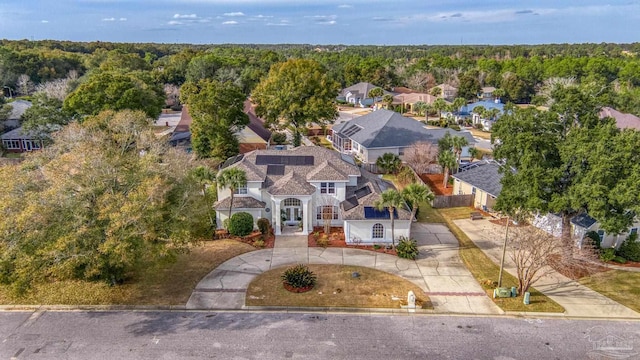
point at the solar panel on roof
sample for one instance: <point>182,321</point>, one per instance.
<point>350,203</point>
<point>348,158</point>
<point>232,160</point>
<point>351,130</point>
<point>373,213</point>
<point>296,160</point>
<point>363,191</point>
<point>275,169</point>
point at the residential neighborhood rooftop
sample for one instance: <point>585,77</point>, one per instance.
<point>483,175</point>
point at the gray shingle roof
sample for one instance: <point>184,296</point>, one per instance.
<point>291,184</point>
<point>326,171</point>
<point>239,202</point>
<point>583,220</point>
<point>18,134</point>
<point>376,185</point>
<point>484,176</point>
<point>385,128</point>
<point>18,108</point>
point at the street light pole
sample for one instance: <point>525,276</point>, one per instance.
<point>504,251</point>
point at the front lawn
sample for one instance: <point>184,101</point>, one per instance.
<point>163,284</point>
<point>619,285</point>
<point>336,287</point>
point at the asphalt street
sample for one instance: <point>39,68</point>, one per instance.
<point>254,335</point>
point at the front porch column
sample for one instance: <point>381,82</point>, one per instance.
<point>276,213</point>
<point>305,216</point>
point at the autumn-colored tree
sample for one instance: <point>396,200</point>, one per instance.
<point>106,198</point>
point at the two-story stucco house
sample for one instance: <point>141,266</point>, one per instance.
<point>301,188</point>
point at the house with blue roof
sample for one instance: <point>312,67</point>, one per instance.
<point>493,111</point>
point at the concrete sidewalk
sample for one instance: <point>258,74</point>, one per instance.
<point>578,300</point>
<point>438,271</point>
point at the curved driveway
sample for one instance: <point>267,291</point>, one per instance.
<point>438,271</point>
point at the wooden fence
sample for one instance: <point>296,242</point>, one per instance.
<point>449,201</point>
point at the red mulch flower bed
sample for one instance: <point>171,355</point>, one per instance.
<point>336,239</point>
<point>269,239</point>
<point>434,181</point>
<point>296,289</point>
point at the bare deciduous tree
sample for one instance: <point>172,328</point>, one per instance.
<point>421,155</point>
<point>56,89</point>
<point>173,94</point>
<point>24,84</point>
<point>530,250</point>
<point>327,207</point>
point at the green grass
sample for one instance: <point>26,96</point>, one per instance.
<point>486,271</point>
<point>321,141</point>
<point>12,155</point>
<point>163,284</point>
<point>619,285</point>
<point>428,214</point>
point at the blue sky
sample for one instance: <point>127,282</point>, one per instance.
<point>387,22</point>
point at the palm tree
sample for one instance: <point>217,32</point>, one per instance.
<point>204,176</point>
<point>233,178</point>
<point>474,152</point>
<point>375,93</point>
<point>499,93</point>
<point>391,200</point>
<point>447,160</point>
<point>389,162</point>
<point>435,91</point>
<point>458,142</point>
<point>415,194</point>
<point>387,100</point>
<point>439,105</point>
<point>427,109</point>
<point>458,103</point>
<point>419,107</point>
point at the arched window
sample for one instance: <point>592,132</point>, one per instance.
<point>377,231</point>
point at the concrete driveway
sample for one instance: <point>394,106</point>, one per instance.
<point>438,271</point>
<point>578,300</point>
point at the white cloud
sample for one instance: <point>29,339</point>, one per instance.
<point>237,13</point>
<point>185,16</point>
<point>324,19</point>
<point>45,21</point>
<point>173,22</point>
<point>345,6</point>
<point>281,23</point>
<point>230,22</point>
<point>123,19</point>
<point>109,19</point>
<point>263,16</point>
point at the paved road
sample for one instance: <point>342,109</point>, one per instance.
<point>211,335</point>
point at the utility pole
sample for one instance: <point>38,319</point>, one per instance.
<point>504,251</point>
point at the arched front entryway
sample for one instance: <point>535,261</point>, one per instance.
<point>291,211</point>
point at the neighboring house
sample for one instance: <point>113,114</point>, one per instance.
<point>358,94</point>
<point>18,141</point>
<point>298,189</point>
<point>486,94</point>
<point>581,224</point>
<point>480,179</point>
<point>254,136</point>
<point>447,91</point>
<point>18,108</point>
<point>623,121</point>
<point>487,122</point>
<point>408,100</point>
<point>383,131</point>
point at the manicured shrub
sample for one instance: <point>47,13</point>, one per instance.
<point>264,225</point>
<point>299,276</point>
<point>407,248</point>
<point>630,248</point>
<point>241,224</point>
<point>620,260</point>
<point>607,254</point>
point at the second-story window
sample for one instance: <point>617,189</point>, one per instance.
<point>327,188</point>
<point>241,191</point>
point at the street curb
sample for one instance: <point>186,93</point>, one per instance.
<point>297,310</point>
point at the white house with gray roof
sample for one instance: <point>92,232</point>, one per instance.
<point>383,131</point>
<point>301,188</point>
